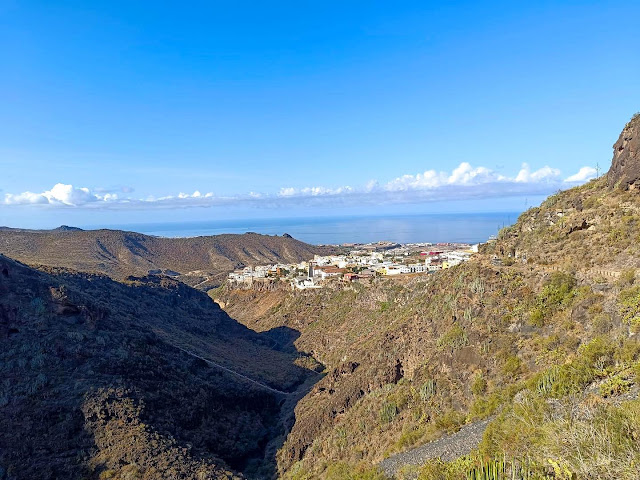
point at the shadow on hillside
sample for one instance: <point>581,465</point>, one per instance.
<point>98,380</point>
<point>256,412</point>
<point>211,410</point>
<point>263,463</point>
<point>282,338</point>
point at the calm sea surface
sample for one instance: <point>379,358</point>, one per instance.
<point>465,227</point>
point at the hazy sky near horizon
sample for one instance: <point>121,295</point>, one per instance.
<point>121,112</point>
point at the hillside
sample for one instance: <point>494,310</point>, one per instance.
<point>142,379</point>
<point>120,254</point>
<point>530,350</point>
<point>538,334</point>
<point>594,227</point>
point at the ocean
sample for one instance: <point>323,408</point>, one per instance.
<point>440,227</point>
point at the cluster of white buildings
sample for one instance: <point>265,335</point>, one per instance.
<point>354,266</point>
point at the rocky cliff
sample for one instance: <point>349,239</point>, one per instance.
<point>625,167</point>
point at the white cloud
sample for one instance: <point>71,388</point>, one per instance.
<point>545,174</point>
<point>584,174</point>
<point>371,185</point>
<point>313,191</point>
<point>69,195</point>
<point>25,198</point>
<point>60,194</point>
<point>428,179</point>
<point>463,182</point>
<point>287,192</point>
<point>463,175</point>
<point>109,197</point>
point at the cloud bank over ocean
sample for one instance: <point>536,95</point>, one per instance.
<point>463,182</point>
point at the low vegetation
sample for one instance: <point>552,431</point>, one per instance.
<point>543,342</point>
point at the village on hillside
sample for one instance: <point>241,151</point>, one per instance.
<point>359,262</point>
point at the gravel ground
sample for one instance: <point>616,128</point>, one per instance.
<point>446,448</point>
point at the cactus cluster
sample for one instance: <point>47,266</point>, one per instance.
<point>546,381</point>
<point>428,390</point>
<point>501,469</point>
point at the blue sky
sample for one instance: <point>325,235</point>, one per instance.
<point>123,112</point>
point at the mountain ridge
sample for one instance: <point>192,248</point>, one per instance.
<point>120,254</point>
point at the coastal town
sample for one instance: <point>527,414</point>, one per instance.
<point>359,262</point>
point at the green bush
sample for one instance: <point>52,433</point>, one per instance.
<point>602,323</point>
<point>450,421</point>
<point>345,471</point>
<point>512,366</point>
<point>536,317</point>
<point>614,386</point>
<point>558,291</point>
<point>454,338</point>
<point>590,364</point>
<point>627,277</point>
<point>545,381</point>
<point>409,438</point>
<point>479,385</point>
<point>629,300</point>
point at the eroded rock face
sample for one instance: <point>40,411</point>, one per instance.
<point>625,167</point>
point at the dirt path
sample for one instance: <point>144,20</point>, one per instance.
<point>232,372</point>
<point>446,448</point>
<point>202,283</point>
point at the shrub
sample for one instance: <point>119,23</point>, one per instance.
<point>627,277</point>
<point>592,359</point>
<point>37,307</point>
<point>559,290</point>
<point>479,385</point>
<point>344,471</point>
<point>512,365</point>
<point>614,386</point>
<point>629,300</point>
<point>477,286</point>
<point>409,437</point>
<point>454,338</point>
<point>388,412</point>
<point>602,323</point>
<point>628,352</point>
<point>450,421</point>
<point>546,380</point>
<point>536,317</point>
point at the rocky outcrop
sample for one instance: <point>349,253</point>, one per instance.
<point>625,167</point>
